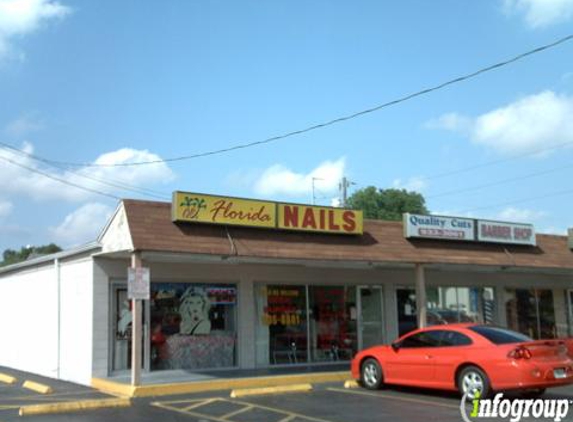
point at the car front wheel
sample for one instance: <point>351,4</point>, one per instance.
<point>473,383</point>
<point>371,374</point>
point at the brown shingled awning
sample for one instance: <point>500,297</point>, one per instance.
<point>383,242</point>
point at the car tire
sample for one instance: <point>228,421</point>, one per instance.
<point>533,393</point>
<point>472,379</point>
<point>371,374</point>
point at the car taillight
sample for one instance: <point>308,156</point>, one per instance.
<point>520,353</point>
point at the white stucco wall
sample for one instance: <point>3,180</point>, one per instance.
<point>47,330</point>
<point>76,320</point>
<point>29,315</point>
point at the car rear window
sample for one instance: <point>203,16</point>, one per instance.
<point>499,335</point>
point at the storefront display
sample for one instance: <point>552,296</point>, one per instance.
<point>192,326</point>
<point>333,323</point>
<point>281,325</point>
<point>531,312</point>
<point>446,305</point>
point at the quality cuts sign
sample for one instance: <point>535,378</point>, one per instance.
<point>499,232</point>
<point>438,227</point>
<point>201,208</point>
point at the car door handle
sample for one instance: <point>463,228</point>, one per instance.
<point>429,356</point>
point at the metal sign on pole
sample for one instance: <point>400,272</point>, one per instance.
<point>138,289</point>
<point>138,281</point>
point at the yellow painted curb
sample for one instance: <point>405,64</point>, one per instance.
<point>114,388</point>
<point>37,387</point>
<point>351,384</point>
<point>8,379</point>
<point>216,384</point>
<point>296,388</point>
<point>73,406</point>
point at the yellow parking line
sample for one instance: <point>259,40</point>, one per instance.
<point>201,403</point>
<point>175,409</point>
<point>237,412</point>
<point>286,412</point>
<point>393,397</point>
<point>288,415</point>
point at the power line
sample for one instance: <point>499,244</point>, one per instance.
<point>495,162</point>
<point>500,182</point>
<point>333,121</point>
<point>108,182</point>
<point>57,179</point>
<point>519,201</point>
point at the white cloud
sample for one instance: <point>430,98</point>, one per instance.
<point>416,184</point>
<point>520,215</point>
<point>554,230</point>
<point>22,17</point>
<point>450,121</point>
<point>541,13</point>
<point>21,181</point>
<point>5,208</point>
<point>534,122</point>
<point>83,225</point>
<point>280,180</point>
<point>23,125</point>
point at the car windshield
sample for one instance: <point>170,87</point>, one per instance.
<point>500,335</point>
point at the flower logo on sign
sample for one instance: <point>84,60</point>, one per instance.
<point>193,206</point>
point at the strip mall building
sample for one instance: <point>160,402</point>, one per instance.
<point>301,285</point>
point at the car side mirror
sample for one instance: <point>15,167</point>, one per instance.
<point>395,346</point>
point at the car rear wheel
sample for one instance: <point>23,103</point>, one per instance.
<point>473,383</point>
<point>371,374</point>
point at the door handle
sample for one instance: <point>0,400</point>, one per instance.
<point>429,356</point>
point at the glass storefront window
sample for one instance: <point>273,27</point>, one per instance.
<point>531,312</point>
<point>333,316</point>
<point>281,329</point>
<point>407,314</point>
<point>193,326</point>
<point>570,306</point>
<point>446,305</point>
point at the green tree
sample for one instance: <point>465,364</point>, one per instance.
<point>387,204</point>
<point>11,256</point>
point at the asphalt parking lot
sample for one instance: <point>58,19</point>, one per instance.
<point>326,403</point>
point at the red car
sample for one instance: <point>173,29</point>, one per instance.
<point>469,358</point>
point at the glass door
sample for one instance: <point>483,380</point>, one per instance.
<point>370,332</point>
<point>121,330</point>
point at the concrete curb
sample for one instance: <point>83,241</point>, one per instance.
<point>37,387</point>
<point>127,390</point>
<point>8,379</point>
<point>73,406</point>
<point>296,388</point>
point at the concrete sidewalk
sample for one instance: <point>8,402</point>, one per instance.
<point>162,383</point>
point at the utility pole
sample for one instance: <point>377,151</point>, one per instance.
<point>343,188</point>
<point>313,194</point>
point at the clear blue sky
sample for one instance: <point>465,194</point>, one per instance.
<point>115,81</point>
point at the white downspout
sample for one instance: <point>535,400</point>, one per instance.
<point>59,309</point>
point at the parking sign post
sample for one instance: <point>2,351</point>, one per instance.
<point>138,280</point>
